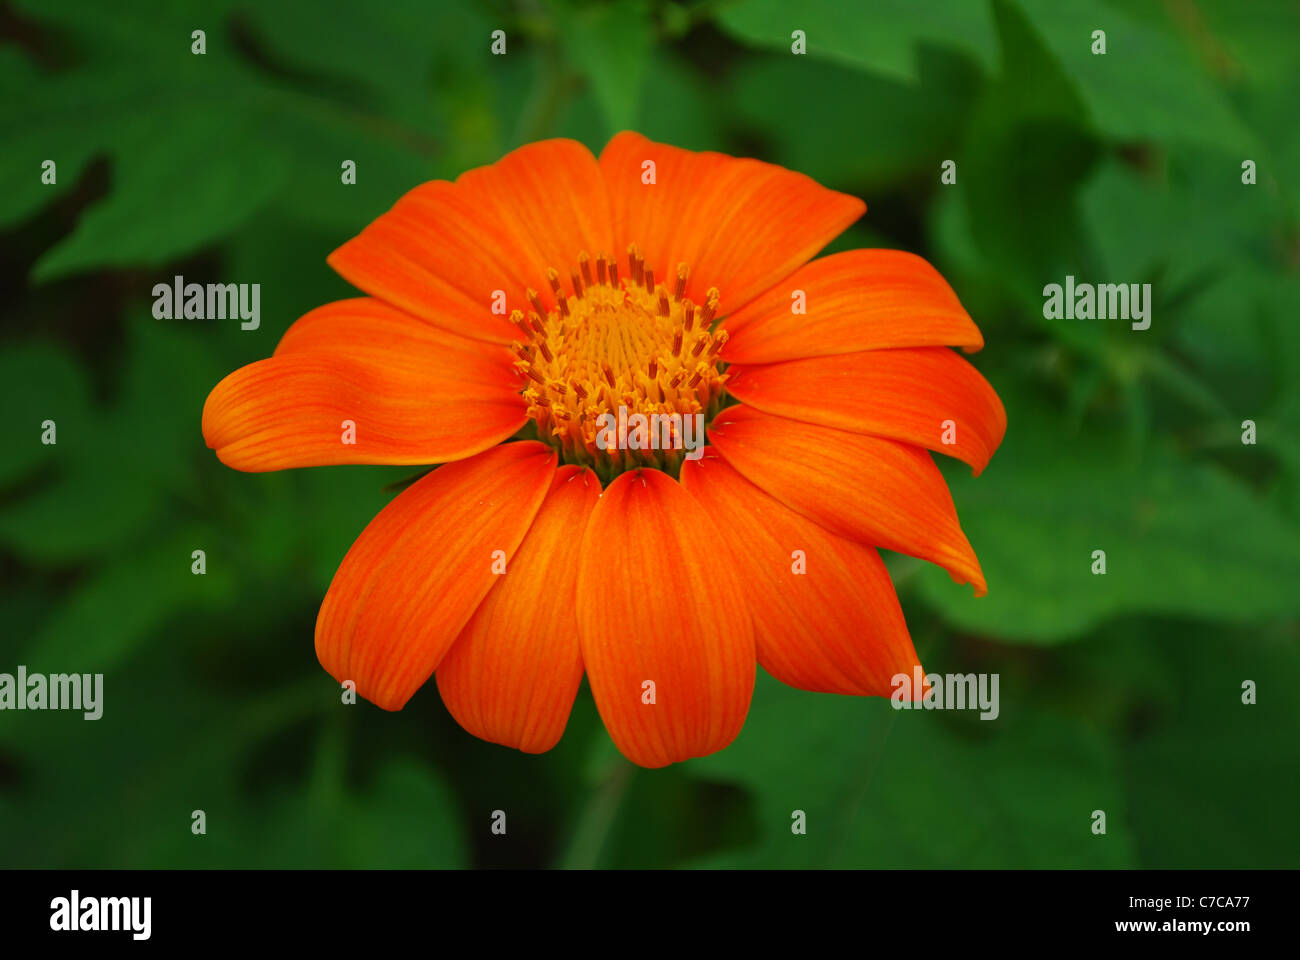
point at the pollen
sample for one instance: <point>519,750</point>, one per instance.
<point>612,340</point>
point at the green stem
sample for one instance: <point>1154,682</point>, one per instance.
<point>598,818</point>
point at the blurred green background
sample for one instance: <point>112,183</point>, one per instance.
<point>1119,692</point>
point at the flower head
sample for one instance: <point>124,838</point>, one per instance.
<point>510,315</point>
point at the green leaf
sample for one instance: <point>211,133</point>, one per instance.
<point>27,148</point>
<point>1184,222</point>
<point>799,106</point>
<point>1211,780</point>
<point>181,178</point>
<point>890,789</point>
<point>96,501</point>
<point>881,37</point>
<point>683,109</point>
<point>1180,538</point>
<point>181,130</point>
<point>111,470</point>
<point>1025,153</point>
<point>39,382</point>
<point>408,91</point>
<point>196,144</point>
<point>387,53</point>
<point>405,818</point>
<point>610,45</point>
<point>1251,42</point>
<point>1145,87</point>
<point>110,615</point>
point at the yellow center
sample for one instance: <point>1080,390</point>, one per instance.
<point>631,343</point>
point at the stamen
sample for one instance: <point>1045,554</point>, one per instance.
<point>634,263</point>
<point>706,315</point>
<point>612,342</point>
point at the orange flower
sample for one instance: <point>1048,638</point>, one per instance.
<point>664,578</point>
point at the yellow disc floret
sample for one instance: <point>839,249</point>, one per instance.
<point>631,343</point>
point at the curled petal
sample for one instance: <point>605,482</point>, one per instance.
<point>361,382</point>
<point>865,488</point>
<point>421,568</point>
<point>826,617</point>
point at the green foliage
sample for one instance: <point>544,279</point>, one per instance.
<point>915,789</point>
<point>881,37</point>
<point>1179,538</point>
<point>1119,692</point>
<point>1145,87</point>
<point>609,44</point>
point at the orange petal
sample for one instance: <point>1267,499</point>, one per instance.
<point>659,603</point>
<point>444,249</point>
<point>826,617</point>
<point>413,393</point>
<point>857,300</point>
<point>739,225</point>
<point>511,676</point>
<point>420,569</point>
<point>928,396</point>
<point>862,487</point>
